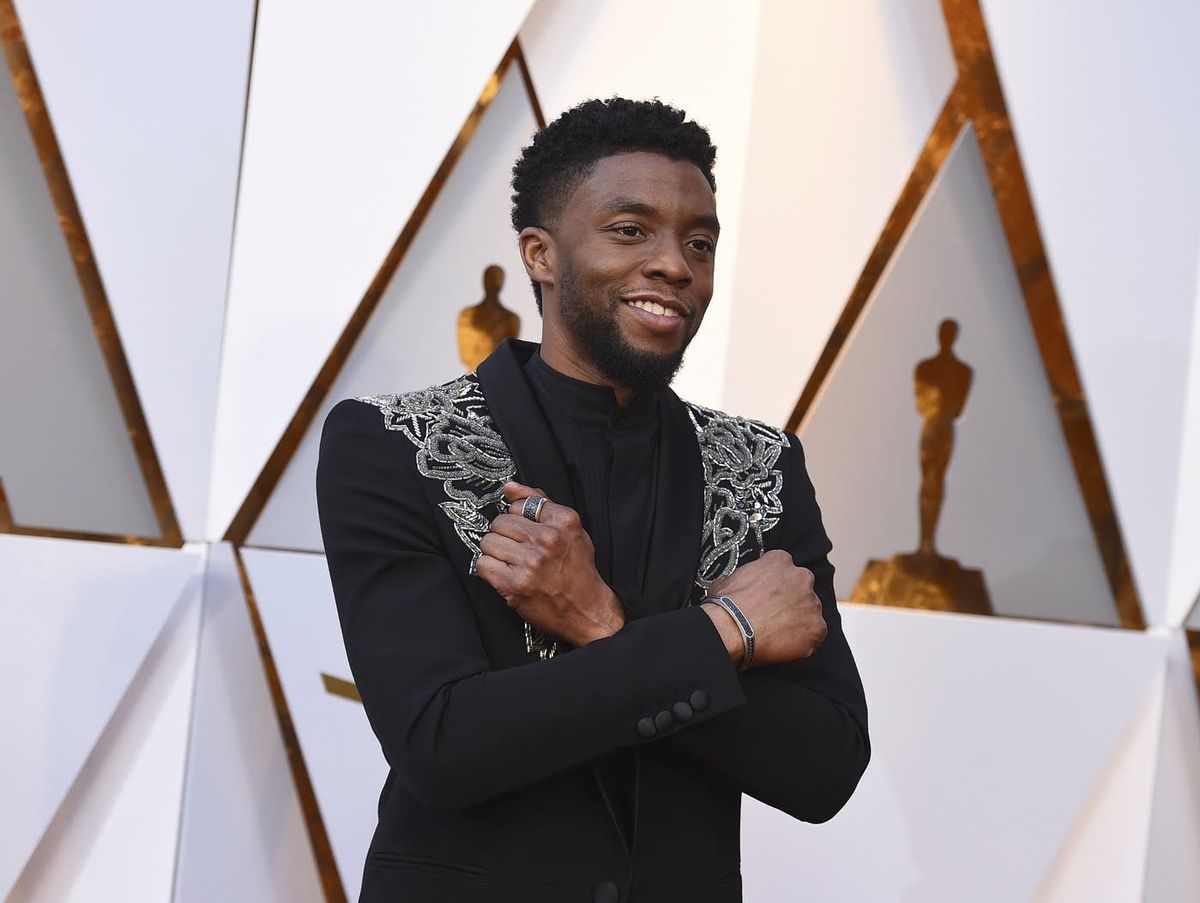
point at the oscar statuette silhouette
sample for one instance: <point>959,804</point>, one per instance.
<point>924,578</point>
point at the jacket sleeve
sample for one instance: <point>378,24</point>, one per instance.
<point>457,732</point>
<point>801,742</point>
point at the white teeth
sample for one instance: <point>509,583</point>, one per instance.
<point>654,308</point>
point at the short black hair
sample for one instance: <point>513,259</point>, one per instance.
<point>563,153</point>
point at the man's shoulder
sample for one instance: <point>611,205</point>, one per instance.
<point>715,423</point>
<point>441,398</point>
<point>412,411</point>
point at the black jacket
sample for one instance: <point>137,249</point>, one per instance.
<point>493,793</point>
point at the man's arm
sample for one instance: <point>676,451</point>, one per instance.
<point>801,742</point>
<point>457,732</point>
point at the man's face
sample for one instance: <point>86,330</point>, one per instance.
<point>635,245</point>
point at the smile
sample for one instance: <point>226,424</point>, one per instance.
<point>653,308</point>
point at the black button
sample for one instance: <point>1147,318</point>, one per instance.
<point>682,711</point>
<point>663,720</point>
<point>606,892</point>
<point>699,700</point>
<point>646,728</point>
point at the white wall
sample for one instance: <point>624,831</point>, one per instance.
<point>1103,98</point>
<point>77,621</point>
<point>147,101</point>
<point>467,230</point>
<point>56,386</point>
<point>1058,761</point>
<point>708,70</point>
<point>338,149</point>
<point>1012,502</point>
<point>844,96</point>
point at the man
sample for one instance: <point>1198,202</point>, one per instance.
<point>522,561</point>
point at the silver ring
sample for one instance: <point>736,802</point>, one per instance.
<point>532,507</point>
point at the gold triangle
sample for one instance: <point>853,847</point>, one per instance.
<point>37,117</point>
<point>260,493</point>
<point>978,99</point>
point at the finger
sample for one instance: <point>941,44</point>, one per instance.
<point>562,517</point>
<point>503,548</point>
<point>514,491</point>
<point>517,527</point>
<point>497,573</point>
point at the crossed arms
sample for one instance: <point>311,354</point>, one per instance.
<point>459,732</point>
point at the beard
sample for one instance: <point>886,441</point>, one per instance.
<point>599,335</point>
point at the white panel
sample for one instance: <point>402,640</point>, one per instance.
<point>147,101</point>
<point>1104,857</point>
<point>1183,592</point>
<point>76,621</point>
<point>114,837</point>
<point>845,95</point>
<point>1173,868</point>
<point>242,835</point>
<point>1103,99</point>
<point>1012,503</point>
<point>987,736</point>
<point>352,108</point>
<point>65,456</point>
<point>343,758</point>
<point>705,68</point>
<point>466,230</point>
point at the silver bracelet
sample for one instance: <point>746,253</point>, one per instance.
<point>743,624</point>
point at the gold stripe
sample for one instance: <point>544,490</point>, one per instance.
<point>331,882</point>
<point>338,686</point>
<point>38,119</point>
<point>985,106</point>
<point>977,97</point>
<point>527,80</point>
<point>6,520</point>
<point>260,493</point>
<point>929,163</point>
<point>1193,641</point>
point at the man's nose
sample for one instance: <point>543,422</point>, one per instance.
<point>669,264</point>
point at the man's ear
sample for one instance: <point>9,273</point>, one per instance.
<point>537,254</point>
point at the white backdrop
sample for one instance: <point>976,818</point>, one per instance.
<point>243,169</point>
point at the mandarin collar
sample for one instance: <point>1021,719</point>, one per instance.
<point>587,403</point>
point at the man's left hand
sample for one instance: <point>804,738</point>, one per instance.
<point>546,570</point>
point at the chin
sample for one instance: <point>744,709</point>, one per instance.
<point>657,345</point>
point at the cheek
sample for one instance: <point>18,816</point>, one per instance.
<point>598,263</point>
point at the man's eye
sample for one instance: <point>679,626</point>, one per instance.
<point>702,244</point>
<point>629,230</point>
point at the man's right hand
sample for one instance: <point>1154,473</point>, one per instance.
<point>779,601</point>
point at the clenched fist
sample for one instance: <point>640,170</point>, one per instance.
<point>779,601</point>
<point>546,571</point>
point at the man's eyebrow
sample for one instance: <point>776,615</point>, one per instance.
<point>629,205</point>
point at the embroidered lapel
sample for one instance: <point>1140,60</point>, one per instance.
<point>452,431</point>
<point>451,428</point>
<point>741,489</point>
<point>457,444</point>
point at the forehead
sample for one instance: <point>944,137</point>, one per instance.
<point>659,181</point>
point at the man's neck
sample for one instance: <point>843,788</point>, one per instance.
<point>568,361</point>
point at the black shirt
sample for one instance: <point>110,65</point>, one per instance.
<point>611,454</point>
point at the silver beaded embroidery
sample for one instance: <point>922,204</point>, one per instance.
<point>456,443</point>
<point>741,488</point>
<point>451,427</point>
